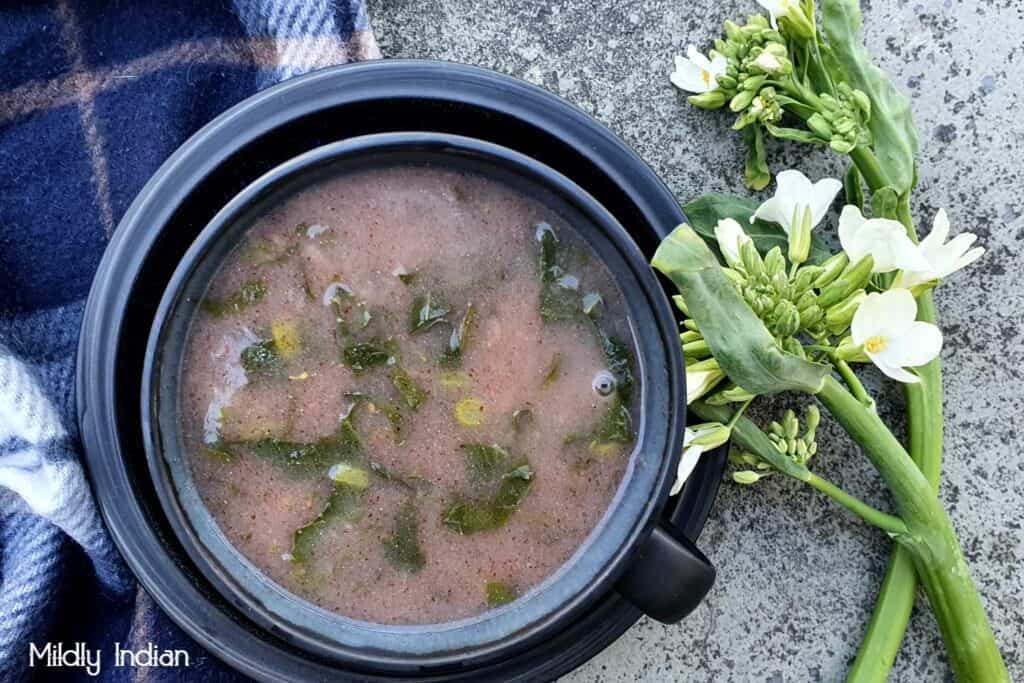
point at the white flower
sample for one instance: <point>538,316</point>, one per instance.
<point>944,258</point>
<point>731,237</point>
<point>795,196</point>
<point>696,441</point>
<point>701,378</point>
<point>886,327</point>
<point>885,239</point>
<point>780,8</point>
<point>696,73</point>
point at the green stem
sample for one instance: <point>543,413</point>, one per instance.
<point>895,602</point>
<point>886,522</point>
<point>930,541</point>
<point>853,382</point>
<point>750,437</point>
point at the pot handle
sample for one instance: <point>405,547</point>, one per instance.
<point>668,577</point>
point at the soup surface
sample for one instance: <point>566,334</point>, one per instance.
<point>408,394</point>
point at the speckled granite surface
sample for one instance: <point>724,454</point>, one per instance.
<point>797,577</point>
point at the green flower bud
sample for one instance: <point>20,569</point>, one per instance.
<point>680,304</point>
<point>863,102</point>
<point>774,261</point>
<point>712,434</point>
<point>842,146</point>
<point>710,100</point>
<point>731,394</point>
<point>759,21</point>
<point>812,418</point>
<point>732,29</point>
<point>831,269</point>
<point>726,82</point>
<point>811,316</point>
<point>784,320</point>
<point>859,273</point>
<point>697,350</point>
<point>690,324</point>
<point>735,276</point>
<point>763,304</point>
<point>753,83</point>
<point>742,100</point>
<point>819,126</point>
<point>752,262</point>
<point>838,318</point>
<point>805,277</point>
<point>689,336</point>
<point>791,345</point>
<point>834,293</point>
<point>746,477</point>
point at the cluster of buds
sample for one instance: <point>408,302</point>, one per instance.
<point>842,120</point>
<point>754,54</point>
<point>788,439</point>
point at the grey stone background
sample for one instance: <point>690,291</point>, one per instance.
<point>797,576</point>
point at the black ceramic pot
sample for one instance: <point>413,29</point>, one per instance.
<point>640,558</point>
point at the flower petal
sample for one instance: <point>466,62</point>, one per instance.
<point>887,314</point>
<point>940,231</point>
<point>690,77</point>
<point>695,56</point>
<point>850,222</point>
<point>823,193</point>
<point>775,210</point>
<point>919,344</point>
<point>895,372</point>
<point>730,236</point>
<point>687,463</point>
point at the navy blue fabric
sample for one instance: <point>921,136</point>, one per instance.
<point>94,96</point>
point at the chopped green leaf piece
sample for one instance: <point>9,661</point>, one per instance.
<point>559,292</point>
<point>484,464</point>
<point>218,451</point>
<point>261,359</point>
<point>521,418</point>
<point>499,593</point>
<point>251,292</point>
<point>410,482</point>
<point>350,314</point>
<point>394,416</point>
<point>403,547</point>
<point>343,503</point>
<point>426,312</point>
<point>361,356</point>
<point>411,392</point>
<point>614,429</point>
<point>454,380</point>
<point>554,370</point>
<point>468,515</point>
<point>263,252</point>
<point>459,339</point>
<point>342,446</point>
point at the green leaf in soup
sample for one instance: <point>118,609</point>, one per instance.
<point>521,417</point>
<point>426,312</point>
<point>311,457</point>
<point>560,297</point>
<point>469,515</point>
<point>410,482</point>
<point>485,464</point>
<point>364,355</point>
<point>350,313</point>
<point>261,359</point>
<point>250,293</point>
<point>554,370</point>
<point>402,548</point>
<point>738,339</point>
<point>614,429</point>
<point>499,593</point>
<point>219,452</point>
<point>890,122</point>
<point>459,339</point>
<point>345,503</point>
<point>619,359</point>
<point>705,212</point>
<point>411,393</point>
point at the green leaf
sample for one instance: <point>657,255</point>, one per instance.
<point>499,593</point>
<point>739,341</point>
<point>469,515</point>
<point>459,339</point>
<point>560,297</point>
<point>705,212</point>
<point>794,135</point>
<point>361,356</point>
<point>403,547</point>
<point>891,125</point>
<point>251,292</point>
<point>411,392</point>
<point>343,503</point>
<point>306,458</point>
<point>426,312</point>
<point>554,370</point>
<point>484,464</point>
<point>619,359</point>
<point>756,175</point>
<point>261,359</point>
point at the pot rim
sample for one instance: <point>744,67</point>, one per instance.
<point>593,567</point>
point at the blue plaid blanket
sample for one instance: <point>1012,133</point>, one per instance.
<point>93,97</point>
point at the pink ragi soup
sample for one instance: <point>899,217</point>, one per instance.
<point>407,394</point>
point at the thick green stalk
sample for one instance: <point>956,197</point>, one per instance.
<point>931,541</point>
<point>891,614</point>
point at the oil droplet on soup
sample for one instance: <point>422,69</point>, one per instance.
<point>408,394</point>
